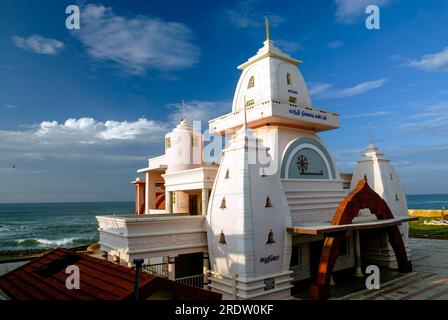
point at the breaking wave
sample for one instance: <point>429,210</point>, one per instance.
<point>49,242</point>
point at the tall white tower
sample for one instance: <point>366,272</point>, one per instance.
<point>271,175</point>
<point>247,219</point>
<point>383,179</point>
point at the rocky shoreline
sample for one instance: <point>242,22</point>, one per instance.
<point>27,254</point>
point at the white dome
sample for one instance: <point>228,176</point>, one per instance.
<point>270,75</point>
<point>183,147</point>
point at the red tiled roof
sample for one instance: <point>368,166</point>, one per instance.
<point>44,279</point>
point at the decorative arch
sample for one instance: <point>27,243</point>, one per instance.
<point>160,201</point>
<point>315,147</point>
<point>362,197</point>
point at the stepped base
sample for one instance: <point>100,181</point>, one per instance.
<point>253,289</point>
<point>376,250</point>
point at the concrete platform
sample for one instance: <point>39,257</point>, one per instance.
<point>429,281</point>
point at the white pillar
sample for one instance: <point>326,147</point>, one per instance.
<point>169,202</point>
<point>204,200</point>
<point>147,193</point>
<point>172,268</point>
<point>358,270</point>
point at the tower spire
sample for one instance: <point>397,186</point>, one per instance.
<point>183,109</point>
<point>370,133</point>
<point>266,21</point>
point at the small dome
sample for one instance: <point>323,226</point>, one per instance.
<point>270,75</point>
<point>183,147</point>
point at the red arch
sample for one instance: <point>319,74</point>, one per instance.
<point>160,201</point>
<point>362,197</point>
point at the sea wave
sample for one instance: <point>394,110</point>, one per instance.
<point>34,243</point>
<point>57,242</point>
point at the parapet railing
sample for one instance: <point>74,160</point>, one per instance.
<point>158,269</point>
<point>196,281</point>
<point>295,105</point>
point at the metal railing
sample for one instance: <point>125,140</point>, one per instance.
<point>158,269</point>
<point>196,281</point>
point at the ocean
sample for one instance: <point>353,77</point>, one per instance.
<point>50,225</point>
<point>428,201</point>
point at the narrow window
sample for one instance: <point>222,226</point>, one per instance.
<point>292,100</point>
<point>227,174</point>
<point>288,78</point>
<point>168,143</point>
<point>251,83</point>
<point>396,197</point>
<point>250,103</point>
<point>391,177</point>
<point>194,142</point>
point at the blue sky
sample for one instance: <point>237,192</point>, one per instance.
<point>81,110</point>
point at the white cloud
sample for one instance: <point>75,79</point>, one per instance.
<point>84,159</point>
<point>84,138</point>
<point>431,121</point>
<point>39,44</point>
<point>369,114</point>
<point>10,106</point>
<point>432,62</point>
<point>326,90</point>
<point>361,88</point>
<point>348,11</point>
<point>76,160</point>
<point>335,44</point>
<point>91,131</point>
<point>317,88</point>
<point>198,110</point>
<point>136,43</point>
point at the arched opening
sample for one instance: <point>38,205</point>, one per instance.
<point>362,197</point>
<point>288,79</point>
<point>307,158</point>
<point>251,82</point>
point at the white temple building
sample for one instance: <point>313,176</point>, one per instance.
<point>261,221</point>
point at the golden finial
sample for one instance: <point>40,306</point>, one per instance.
<point>266,21</point>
